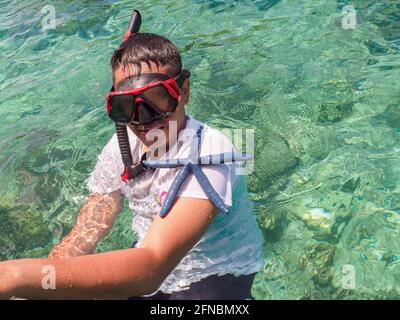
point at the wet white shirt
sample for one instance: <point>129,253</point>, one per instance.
<point>232,243</point>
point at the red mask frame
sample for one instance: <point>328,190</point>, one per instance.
<point>128,107</point>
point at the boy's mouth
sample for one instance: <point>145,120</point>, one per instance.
<point>144,129</point>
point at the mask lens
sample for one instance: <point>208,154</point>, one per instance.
<point>160,99</point>
<point>121,107</point>
<point>145,113</point>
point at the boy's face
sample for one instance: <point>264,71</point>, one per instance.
<point>176,120</point>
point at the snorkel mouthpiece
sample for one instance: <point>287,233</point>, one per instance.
<point>130,171</point>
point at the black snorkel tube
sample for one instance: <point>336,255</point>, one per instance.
<point>134,25</point>
<point>131,171</point>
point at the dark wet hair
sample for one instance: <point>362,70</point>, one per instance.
<point>147,47</point>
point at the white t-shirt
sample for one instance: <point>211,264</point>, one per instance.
<point>232,243</point>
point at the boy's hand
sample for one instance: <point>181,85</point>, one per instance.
<point>94,222</point>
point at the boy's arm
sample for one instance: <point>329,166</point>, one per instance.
<point>94,222</point>
<point>117,274</point>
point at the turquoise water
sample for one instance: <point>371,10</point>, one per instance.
<point>324,102</point>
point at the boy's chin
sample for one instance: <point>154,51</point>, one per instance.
<point>150,137</point>
<point>153,144</point>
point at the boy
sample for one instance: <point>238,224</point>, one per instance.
<point>193,252</point>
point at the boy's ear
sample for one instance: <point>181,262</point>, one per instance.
<point>186,91</point>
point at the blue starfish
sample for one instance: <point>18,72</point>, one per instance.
<point>192,164</point>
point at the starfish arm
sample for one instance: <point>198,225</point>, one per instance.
<point>173,163</point>
<point>227,157</point>
<point>208,189</point>
<point>173,190</point>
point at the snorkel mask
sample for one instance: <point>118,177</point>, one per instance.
<point>141,100</point>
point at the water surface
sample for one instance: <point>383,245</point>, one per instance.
<point>324,102</point>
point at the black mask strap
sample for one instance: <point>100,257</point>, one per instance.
<point>180,79</point>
